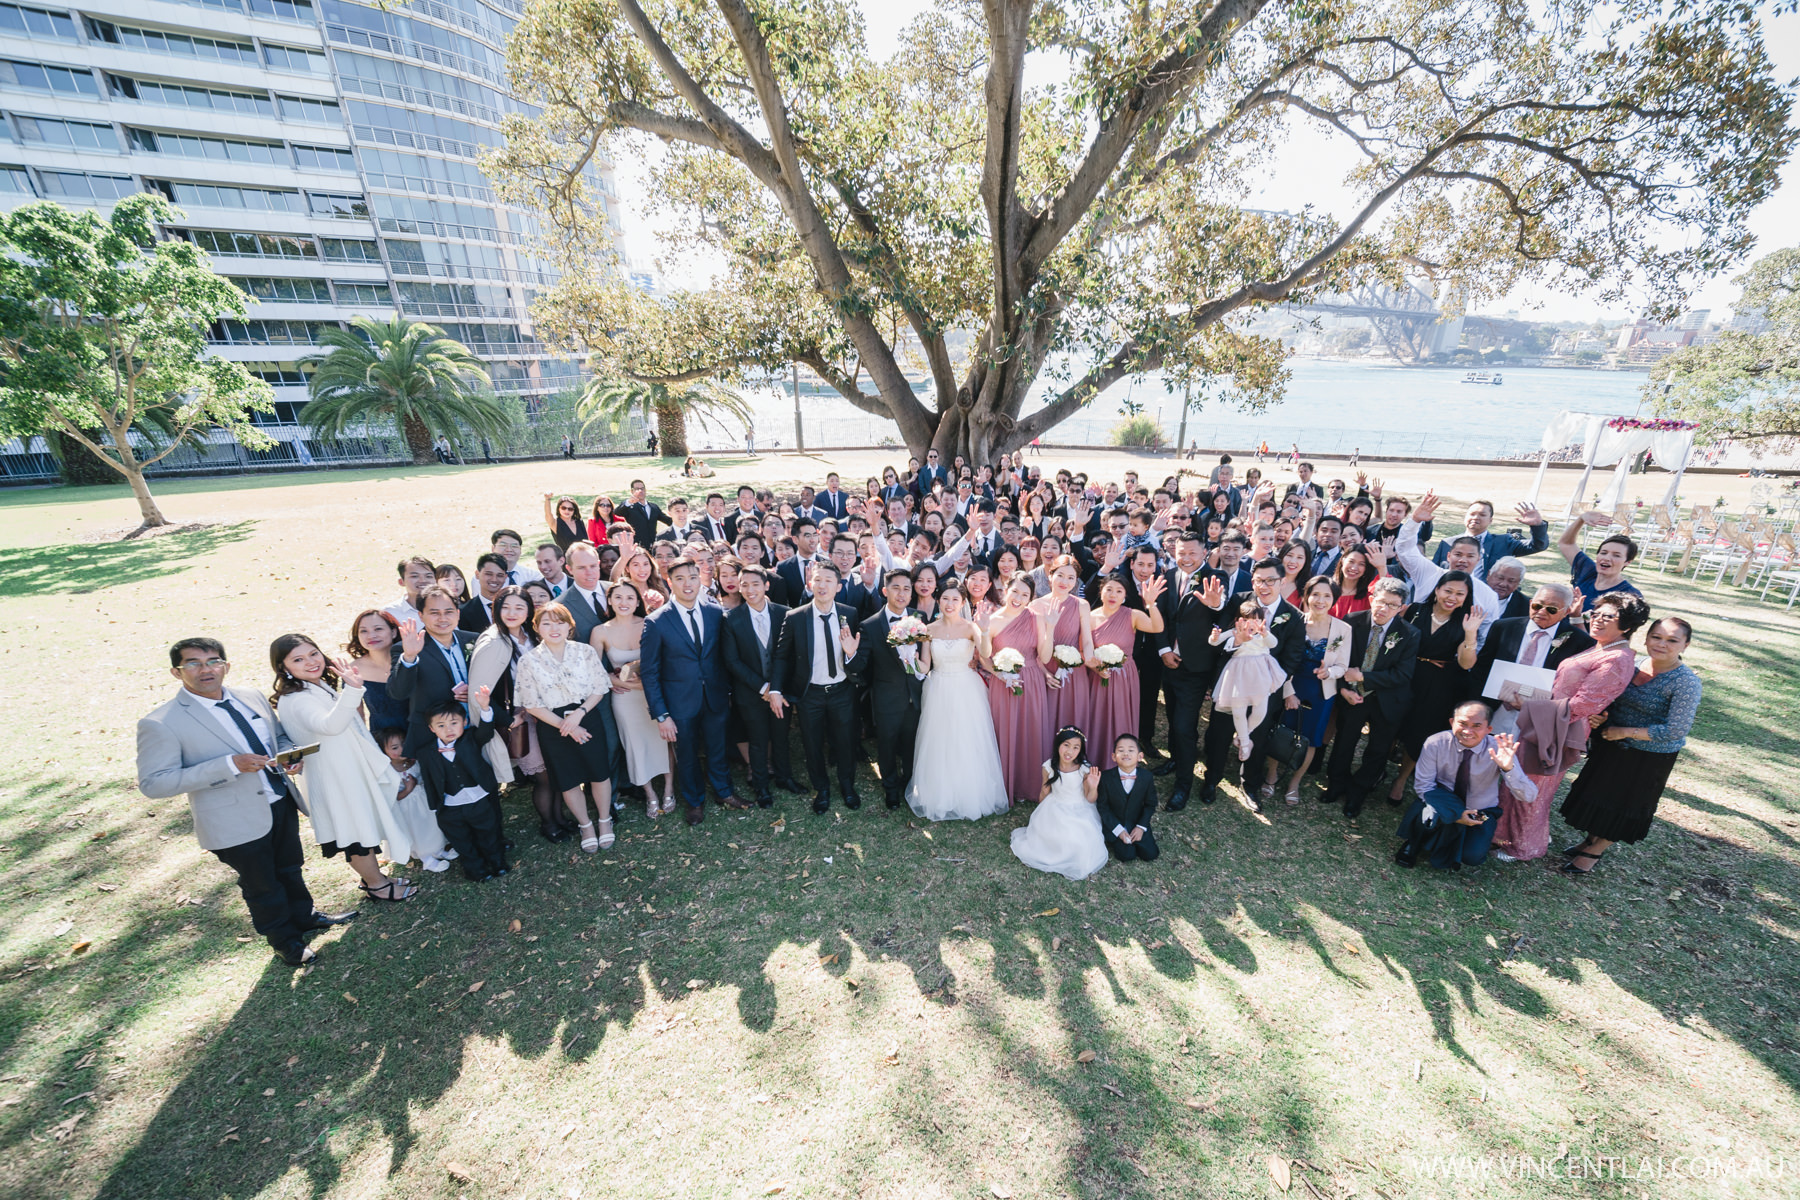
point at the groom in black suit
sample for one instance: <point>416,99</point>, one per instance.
<point>752,633</point>
<point>1288,625</point>
<point>1125,797</point>
<point>894,692</point>
<point>818,653</point>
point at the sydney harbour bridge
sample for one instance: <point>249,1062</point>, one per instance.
<point>1406,319</point>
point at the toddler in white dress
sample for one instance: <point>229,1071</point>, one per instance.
<point>1249,677</point>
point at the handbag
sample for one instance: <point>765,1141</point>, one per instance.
<point>1286,746</point>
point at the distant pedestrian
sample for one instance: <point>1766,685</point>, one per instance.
<point>651,442</point>
<point>1354,452</point>
<point>749,437</point>
<point>1262,450</point>
<point>1294,455</point>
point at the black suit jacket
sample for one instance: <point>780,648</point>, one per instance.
<point>794,655</point>
<point>858,598</point>
<point>892,688</point>
<point>750,663</point>
<point>1146,647</point>
<point>1517,605</point>
<point>426,685</point>
<point>471,768</point>
<point>643,523</point>
<point>1388,684</point>
<point>1118,807</point>
<point>931,475</point>
<point>752,519</point>
<point>1188,623</point>
<point>476,615</point>
<point>1507,637</point>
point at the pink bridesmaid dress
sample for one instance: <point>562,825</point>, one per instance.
<point>1069,703</point>
<point>1022,722</point>
<point>1112,707</point>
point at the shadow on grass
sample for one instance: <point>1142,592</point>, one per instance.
<point>94,566</point>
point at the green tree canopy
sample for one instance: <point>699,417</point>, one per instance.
<point>103,333</point>
<point>413,374</point>
<point>865,211</point>
<point>1743,385</point>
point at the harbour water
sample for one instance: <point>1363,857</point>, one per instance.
<point>1331,407</point>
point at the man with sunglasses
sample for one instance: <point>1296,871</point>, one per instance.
<point>1544,638</point>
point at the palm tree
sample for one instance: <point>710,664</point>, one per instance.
<point>408,372</point>
<point>671,404</point>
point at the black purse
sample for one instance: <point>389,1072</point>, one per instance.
<point>1286,746</point>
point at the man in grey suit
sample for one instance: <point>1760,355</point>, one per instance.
<point>218,745</point>
<point>585,598</point>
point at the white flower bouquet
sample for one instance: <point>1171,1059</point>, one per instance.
<point>1067,659</point>
<point>905,635</point>
<point>1110,658</point>
<point>1007,664</point>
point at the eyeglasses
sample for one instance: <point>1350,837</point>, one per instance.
<point>203,664</point>
<point>1537,607</point>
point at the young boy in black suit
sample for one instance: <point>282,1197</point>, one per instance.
<point>459,785</point>
<point>1125,797</point>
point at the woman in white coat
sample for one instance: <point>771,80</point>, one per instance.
<point>1311,693</point>
<point>350,799</point>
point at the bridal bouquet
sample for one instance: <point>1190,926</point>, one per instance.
<point>1067,659</point>
<point>1007,664</point>
<point>905,635</point>
<point>1110,659</point>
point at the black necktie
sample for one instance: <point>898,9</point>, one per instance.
<point>1462,774</point>
<point>831,662</point>
<point>693,624</point>
<point>255,743</point>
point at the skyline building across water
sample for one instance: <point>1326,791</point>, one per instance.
<point>322,152</point>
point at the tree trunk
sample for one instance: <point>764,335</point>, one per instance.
<point>671,431</point>
<point>418,441</point>
<point>152,515</point>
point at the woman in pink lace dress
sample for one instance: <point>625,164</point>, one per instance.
<point>1072,625</point>
<point>1113,705</point>
<point>1021,722</point>
<point>1590,682</point>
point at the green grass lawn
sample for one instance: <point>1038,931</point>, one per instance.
<point>850,1005</point>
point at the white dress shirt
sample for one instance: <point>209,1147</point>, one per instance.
<point>235,736</point>
<point>1424,575</point>
<point>468,795</point>
<point>693,622</point>
<point>822,675</point>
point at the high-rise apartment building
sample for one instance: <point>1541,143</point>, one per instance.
<point>323,152</point>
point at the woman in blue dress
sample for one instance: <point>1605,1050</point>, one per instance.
<point>1312,691</point>
<point>373,636</point>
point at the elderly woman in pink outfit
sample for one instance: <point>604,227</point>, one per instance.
<point>1590,682</point>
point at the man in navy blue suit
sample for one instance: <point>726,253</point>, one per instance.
<point>687,688</point>
<point>833,502</point>
<point>932,473</point>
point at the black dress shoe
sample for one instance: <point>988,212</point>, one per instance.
<point>1166,770</point>
<point>892,801</point>
<point>1406,856</point>
<point>296,954</point>
<point>821,803</point>
<point>1330,797</point>
<point>324,920</point>
<point>790,784</point>
<point>852,800</point>
<point>1352,808</point>
<point>1393,803</point>
<point>1178,801</point>
<point>1207,794</point>
<point>693,814</point>
<point>764,799</point>
<point>484,877</point>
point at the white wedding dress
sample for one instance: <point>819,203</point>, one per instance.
<point>956,758</point>
<point>1064,834</point>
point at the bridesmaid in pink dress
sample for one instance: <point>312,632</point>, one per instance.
<point>1590,682</point>
<point>1072,624</point>
<point>1022,722</point>
<point>1113,705</point>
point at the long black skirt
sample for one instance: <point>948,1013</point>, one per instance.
<point>1616,794</point>
<point>574,764</point>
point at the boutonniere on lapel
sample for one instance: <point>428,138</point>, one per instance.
<point>1556,642</point>
<point>1393,639</point>
<point>1335,643</point>
<point>468,650</point>
<point>1279,618</point>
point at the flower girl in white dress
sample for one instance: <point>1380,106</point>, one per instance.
<point>1064,834</point>
<point>1250,676</point>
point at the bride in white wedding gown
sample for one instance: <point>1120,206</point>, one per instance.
<point>956,758</point>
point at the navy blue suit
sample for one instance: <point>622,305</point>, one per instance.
<point>837,507</point>
<point>690,686</point>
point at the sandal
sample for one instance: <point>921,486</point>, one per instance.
<point>606,833</point>
<point>651,808</point>
<point>1577,848</point>
<point>1569,868</point>
<point>589,843</point>
<point>1293,795</point>
<point>386,891</point>
<point>668,804</point>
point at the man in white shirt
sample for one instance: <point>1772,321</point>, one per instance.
<point>1464,555</point>
<point>677,531</point>
<point>416,574</point>
<point>508,545</point>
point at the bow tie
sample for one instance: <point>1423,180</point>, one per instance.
<point>447,751</point>
<point>1124,778</point>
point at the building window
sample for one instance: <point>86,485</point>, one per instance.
<point>350,250</point>
<point>285,291</point>
<point>39,77</point>
<point>264,333</point>
<point>207,195</point>
<point>363,295</point>
<point>284,10</point>
<point>78,135</point>
<point>232,244</point>
<point>15,181</point>
<point>186,145</point>
<point>75,185</point>
<point>279,374</point>
<point>323,158</point>
<point>250,104</point>
<point>292,58</point>
<point>36,22</point>
<point>324,204</point>
<point>158,41</point>
<point>317,112</point>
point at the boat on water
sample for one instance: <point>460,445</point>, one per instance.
<point>1485,378</point>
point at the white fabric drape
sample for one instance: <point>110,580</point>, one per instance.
<point>1602,446</point>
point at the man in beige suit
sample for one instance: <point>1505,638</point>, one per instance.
<point>218,745</point>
